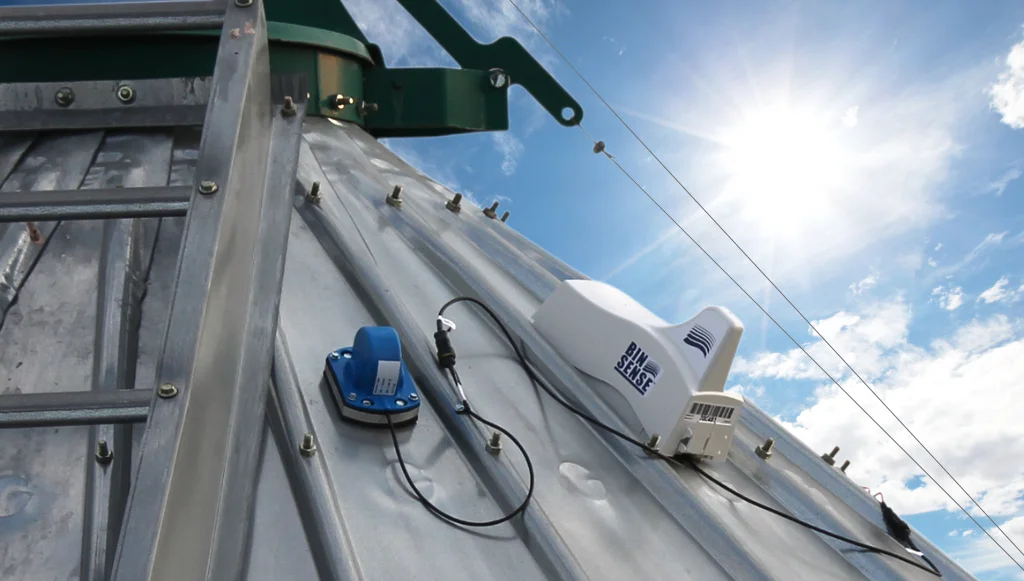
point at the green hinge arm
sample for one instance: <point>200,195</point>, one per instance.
<point>505,53</point>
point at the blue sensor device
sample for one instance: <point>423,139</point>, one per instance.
<point>369,380</point>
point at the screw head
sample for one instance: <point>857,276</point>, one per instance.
<point>454,204</point>
<point>367,402</point>
<point>395,197</point>
<point>414,396</point>
<point>335,355</point>
<point>243,3</point>
<point>352,397</point>
<point>494,443</point>
<point>167,390</point>
<point>126,94</point>
<point>498,78</point>
<point>207,187</point>
<point>64,97</point>
<point>400,402</point>
<point>764,451</point>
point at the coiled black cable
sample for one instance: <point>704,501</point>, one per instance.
<point>446,355</point>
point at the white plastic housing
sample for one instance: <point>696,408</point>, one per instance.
<point>656,366</point>
<point>709,422</point>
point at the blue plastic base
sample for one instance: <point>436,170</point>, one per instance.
<point>369,382</point>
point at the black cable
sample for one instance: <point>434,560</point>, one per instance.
<point>449,517</point>
<point>537,380</point>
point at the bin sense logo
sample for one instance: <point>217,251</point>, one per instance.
<point>636,367</point>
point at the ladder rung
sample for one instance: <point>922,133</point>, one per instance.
<point>46,205</point>
<point>74,408</point>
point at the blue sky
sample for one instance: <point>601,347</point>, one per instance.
<point>867,155</point>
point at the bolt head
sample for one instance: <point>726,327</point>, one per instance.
<point>207,187</point>
<point>367,402</point>
<point>352,397</point>
<point>335,355</point>
<point>167,390</point>
<point>289,109</point>
<point>103,452</point>
<point>126,94</point>
<point>499,79</point>
<point>243,3</point>
<point>64,97</point>
<point>308,446</point>
<point>400,402</point>
<point>414,396</point>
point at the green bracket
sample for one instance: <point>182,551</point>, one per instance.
<point>426,102</point>
<point>505,54</point>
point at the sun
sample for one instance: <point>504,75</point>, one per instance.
<point>783,165</point>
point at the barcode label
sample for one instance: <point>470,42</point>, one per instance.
<point>387,377</point>
<point>712,413</point>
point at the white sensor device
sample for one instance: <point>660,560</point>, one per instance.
<point>662,370</point>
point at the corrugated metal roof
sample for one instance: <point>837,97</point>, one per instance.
<point>601,510</point>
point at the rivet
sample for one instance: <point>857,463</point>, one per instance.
<point>764,451</point>
<point>103,453</point>
<point>207,187</point>
<point>64,97</point>
<point>400,402</point>
<point>126,94</point>
<point>494,443</point>
<point>367,402</point>
<point>167,390</point>
<point>830,458</point>
<point>414,396</point>
<point>288,109</point>
<point>454,204</point>
<point>395,197</point>
<point>492,212</point>
<point>335,355</point>
<point>308,446</point>
<point>504,217</point>
<point>352,397</point>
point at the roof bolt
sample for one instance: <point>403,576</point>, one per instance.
<point>494,443</point>
<point>367,108</point>
<point>652,445</point>
<point>499,79</point>
<point>103,453</point>
<point>207,187</point>
<point>315,197</point>
<point>845,465</point>
<point>598,147</point>
<point>830,458</point>
<point>308,446</point>
<point>341,101</point>
<point>764,451</point>
<point>64,97</point>
<point>243,3</point>
<point>167,390</point>
<point>491,212</point>
<point>126,94</point>
<point>395,197</point>
<point>454,204</point>
<point>504,217</point>
<point>289,109</point>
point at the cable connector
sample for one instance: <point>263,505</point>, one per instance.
<point>445,351</point>
<point>897,527</point>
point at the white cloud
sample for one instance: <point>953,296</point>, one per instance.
<point>996,292</point>
<point>865,284</point>
<point>1002,182</point>
<point>754,391</point>
<point>982,556</point>
<point>949,299</point>
<point>1007,94</point>
<point>932,263</point>
<point>510,149</point>
<point>967,533</point>
<point>850,116</point>
<point>990,242</point>
<point>938,247</point>
<point>959,395</point>
<point>618,45</point>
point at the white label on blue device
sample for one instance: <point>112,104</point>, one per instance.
<point>387,377</point>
